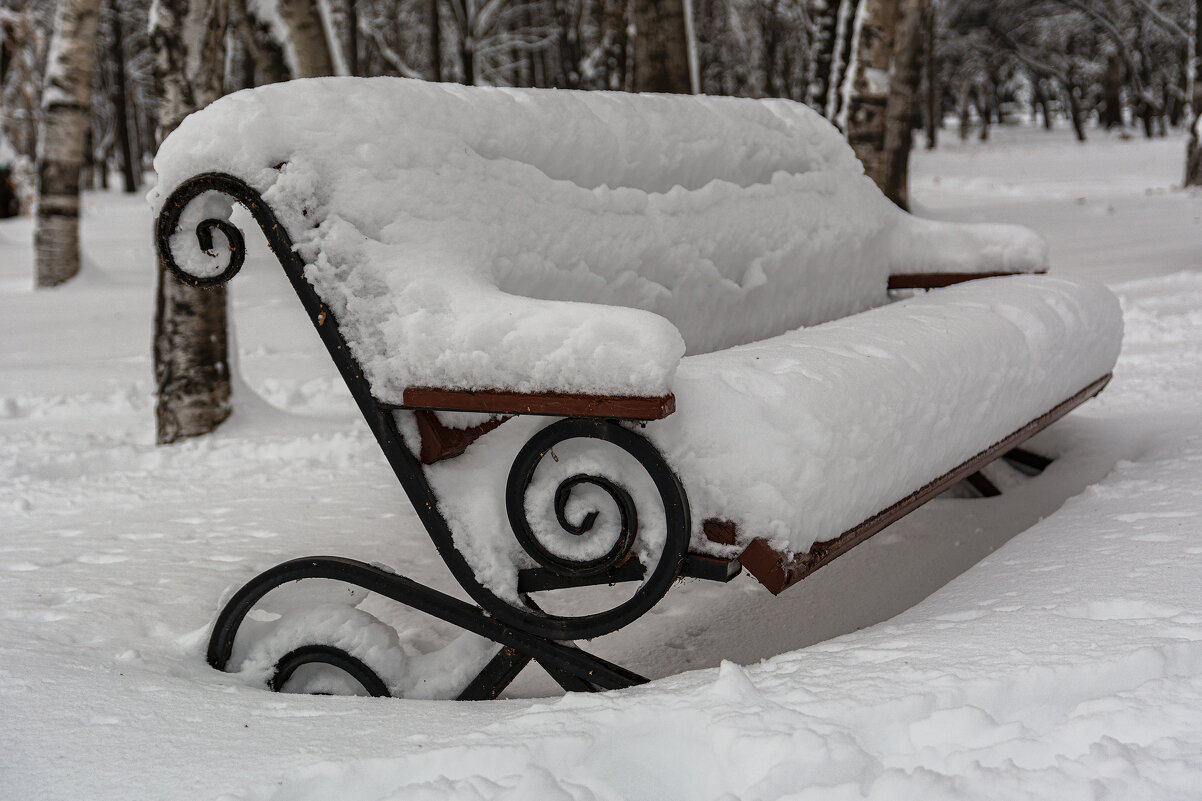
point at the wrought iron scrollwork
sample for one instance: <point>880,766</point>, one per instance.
<point>519,624</point>
<point>658,577</point>
<point>328,655</point>
<point>167,225</point>
<point>521,475</point>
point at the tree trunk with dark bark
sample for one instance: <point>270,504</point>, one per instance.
<point>934,112</point>
<point>62,140</point>
<point>1112,93</point>
<point>661,48</point>
<point>904,76</point>
<point>467,60</point>
<point>1040,96</point>
<point>984,111</point>
<point>611,19</point>
<point>435,42</point>
<point>1074,109</point>
<point>352,37</point>
<point>129,171</point>
<point>191,360</point>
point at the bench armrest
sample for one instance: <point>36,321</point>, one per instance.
<point>542,403</point>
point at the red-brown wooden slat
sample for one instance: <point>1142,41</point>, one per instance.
<point>778,571</point>
<point>936,280</point>
<point>546,403</point>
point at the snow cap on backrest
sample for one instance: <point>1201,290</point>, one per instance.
<point>463,237</point>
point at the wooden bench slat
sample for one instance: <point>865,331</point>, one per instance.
<point>545,403</point>
<point>937,280</point>
<point>777,572</point>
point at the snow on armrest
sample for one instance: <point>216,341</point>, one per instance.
<point>929,253</point>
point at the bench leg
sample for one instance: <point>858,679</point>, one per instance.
<point>984,487</point>
<point>328,655</point>
<point>496,676</point>
<point>565,662</point>
<point>1023,458</point>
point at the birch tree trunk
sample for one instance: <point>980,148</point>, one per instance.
<point>1193,149</point>
<point>264,52</point>
<point>661,47</point>
<point>866,87</point>
<point>904,77</point>
<point>66,109</point>
<point>191,360</point>
<point>821,73</point>
<point>309,50</point>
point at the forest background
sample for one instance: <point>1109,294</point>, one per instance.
<point>88,88</point>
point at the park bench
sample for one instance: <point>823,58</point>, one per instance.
<point>652,336</point>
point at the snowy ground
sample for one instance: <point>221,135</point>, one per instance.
<point>1060,655</point>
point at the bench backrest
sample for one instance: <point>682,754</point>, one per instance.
<point>421,209</point>
<point>735,219</point>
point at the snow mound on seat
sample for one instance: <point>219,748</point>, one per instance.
<point>799,438</point>
<point>463,236</point>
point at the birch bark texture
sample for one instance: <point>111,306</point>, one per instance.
<point>265,54</point>
<point>62,136</point>
<point>1193,149</point>
<point>661,46</point>
<point>306,46</point>
<point>191,350</point>
<point>866,85</point>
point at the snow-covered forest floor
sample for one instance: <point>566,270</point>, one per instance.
<point>1058,655</point>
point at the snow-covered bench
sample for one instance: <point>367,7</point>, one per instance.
<point>678,297</point>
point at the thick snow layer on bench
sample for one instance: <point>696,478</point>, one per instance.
<point>798,438</point>
<point>462,235</point>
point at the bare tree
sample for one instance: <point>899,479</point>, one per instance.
<point>117,77</point>
<point>25,38</point>
<point>264,55</point>
<point>1193,151</point>
<point>191,360</point>
<point>66,107</point>
<point>492,36</point>
<point>932,108</point>
<point>306,45</point>
<point>903,94</point>
<point>661,47</point>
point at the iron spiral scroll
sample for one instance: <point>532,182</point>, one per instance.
<point>618,563</point>
<point>167,225</point>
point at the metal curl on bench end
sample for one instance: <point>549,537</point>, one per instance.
<point>167,225</point>
<point>615,556</point>
<point>660,575</point>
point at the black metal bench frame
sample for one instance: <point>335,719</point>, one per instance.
<point>525,633</point>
